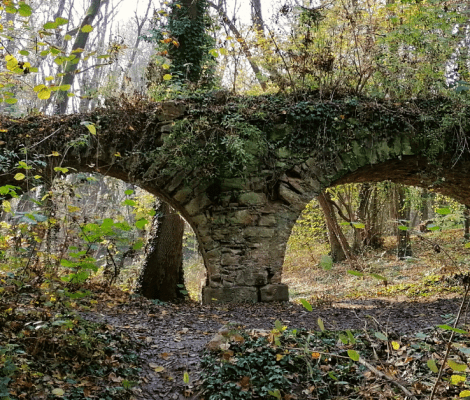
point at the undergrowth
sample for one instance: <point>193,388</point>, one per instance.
<point>298,364</point>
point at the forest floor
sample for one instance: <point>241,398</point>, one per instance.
<point>141,349</point>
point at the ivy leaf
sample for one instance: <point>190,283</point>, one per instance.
<point>381,336</point>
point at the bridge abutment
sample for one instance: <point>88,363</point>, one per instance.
<point>243,241</point>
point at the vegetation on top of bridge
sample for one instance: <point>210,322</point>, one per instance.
<point>222,136</point>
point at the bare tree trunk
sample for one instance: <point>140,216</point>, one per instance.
<point>340,249</point>
<point>162,270</point>
<point>140,24</point>
<point>243,44</point>
<point>257,16</point>
<point>80,43</point>
<point>466,215</point>
<point>403,216</point>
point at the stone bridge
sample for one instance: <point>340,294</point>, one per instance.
<point>241,170</point>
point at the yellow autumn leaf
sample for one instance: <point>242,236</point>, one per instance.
<point>58,392</point>
<point>159,369</point>
<point>395,345</point>
<point>456,366</point>
<point>279,357</point>
<point>19,176</point>
<point>167,77</point>
<point>315,355</point>
<point>44,94</point>
<point>6,206</point>
<point>456,379</point>
<point>464,393</point>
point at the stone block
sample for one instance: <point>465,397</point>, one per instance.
<point>291,198</point>
<point>236,294</point>
<point>167,128</point>
<point>229,259</point>
<point>182,195</point>
<point>175,182</point>
<point>213,254</point>
<point>197,204</point>
<point>242,217</point>
<point>245,278</point>
<point>171,110</point>
<point>199,220</point>
<point>233,184</point>
<point>252,199</point>
<point>267,220</point>
<point>258,231</point>
<point>278,292</point>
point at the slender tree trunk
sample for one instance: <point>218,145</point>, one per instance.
<point>246,50</point>
<point>140,25</point>
<point>257,16</point>
<point>424,205</point>
<point>80,43</point>
<point>361,236</point>
<point>162,270</point>
<point>403,216</point>
<point>340,249</point>
<point>466,215</point>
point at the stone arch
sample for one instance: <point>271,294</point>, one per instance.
<point>243,224</point>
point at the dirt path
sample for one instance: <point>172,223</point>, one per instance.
<point>175,335</point>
